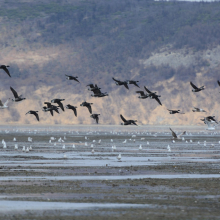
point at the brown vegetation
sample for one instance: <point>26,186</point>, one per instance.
<point>96,40</point>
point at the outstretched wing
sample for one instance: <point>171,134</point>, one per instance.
<point>1,103</point>
<point>97,119</point>
<point>6,70</point>
<point>141,92</point>
<point>194,87</point>
<point>36,115</point>
<point>91,86</point>
<point>48,104</point>
<point>51,112</point>
<point>14,92</point>
<point>89,108</point>
<point>70,77</point>
<point>96,91</point>
<point>123,119</point>
<point>147,89</point>
<point>115,79</point>
<point>181,134</point>
<point>76,79</point>
<point>136,84</point>
<point>173,133</point>
<point>126,85</point>
<point>212,118</point>
<point>61,105</point>
<point>133,122</point>
<point>5,104</point>
<point>75,112</point>
<point>158,100</point>
<point>218,82</point>
<point>56,110</point>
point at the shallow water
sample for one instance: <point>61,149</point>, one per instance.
<point>152,174</point>
<point>124,177</point>
<point>6,206</point>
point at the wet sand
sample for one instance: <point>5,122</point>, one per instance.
<point>50,182</point>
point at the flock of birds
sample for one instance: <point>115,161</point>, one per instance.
<point>50,107</point>
<point>55,141</point>
<point>209,120</point>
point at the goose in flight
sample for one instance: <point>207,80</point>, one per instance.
<point>72,78</point>
<point>210,119</point>
<point>34,113</point>
<point>133,82</point>
<point>88,105</point>
<point>153,95</point>
<point>93,88</point>
<point>17,98</point>
<point>4,67</point>
<point>50,108</point>
<point>3,106</point>
<point>195,88</point>
<point>218,82</point>
<point>127,122</point>
<point>99,94</point>
<point>97,91</point>
<point>177,136</point>
<point>73,108</point>
<point>96,117</point>
<point>210,122</point>
<point>119,83</point>
<point>58,101</point>
<point>198,110</point>
<point>142,95</point>
<point>172,112</point>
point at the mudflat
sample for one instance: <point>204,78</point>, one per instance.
<point>65,179</point>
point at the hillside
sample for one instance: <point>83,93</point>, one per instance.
<point>164,45</point>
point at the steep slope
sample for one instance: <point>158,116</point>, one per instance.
<point>164,45</point>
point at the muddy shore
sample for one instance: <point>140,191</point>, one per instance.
<point>32,187</point>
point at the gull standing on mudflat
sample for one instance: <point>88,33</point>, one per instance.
<point>119,157</point>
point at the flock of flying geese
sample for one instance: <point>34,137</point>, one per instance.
<point>97,93</point>
<point>153,95</point>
